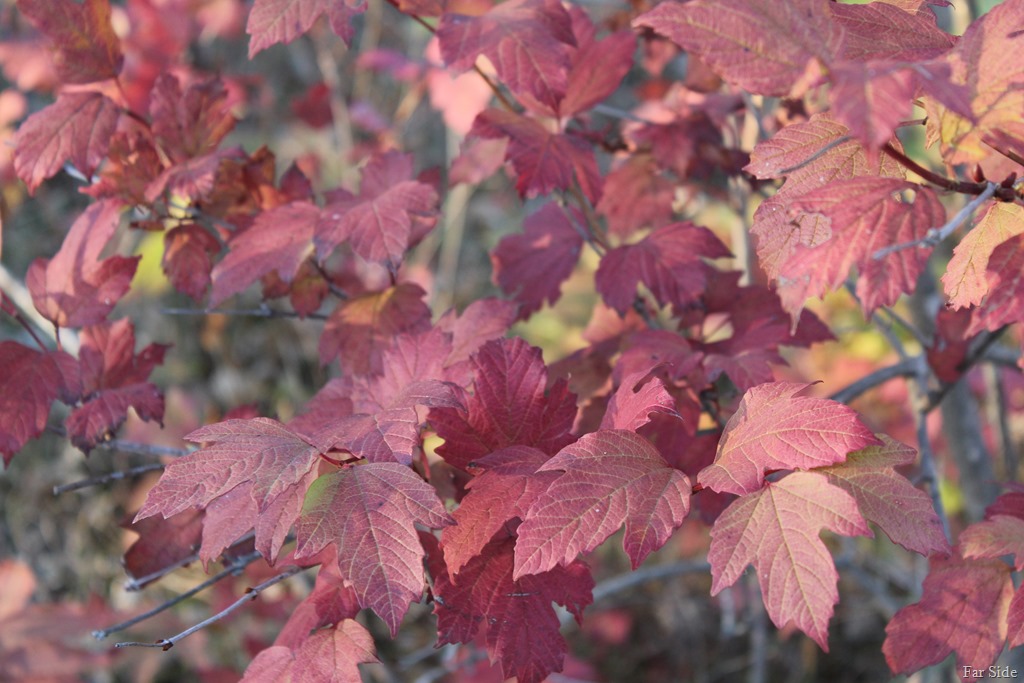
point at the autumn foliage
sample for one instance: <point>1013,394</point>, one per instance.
<point>706,169</point>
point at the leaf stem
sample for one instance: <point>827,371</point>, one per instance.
<point>1005,194</point>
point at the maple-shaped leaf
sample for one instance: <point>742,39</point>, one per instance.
<point>520,627</point>
<point>29,385</point>
<point>1003,304</point>
<point>381,221</point>
<point>856,219</point>
<point>329,655</point>
<point>636,399</point>
<point>996,89</point>
<point>963,609</point>
<point>883,30</point>
<point>258,452</point>
<point>611,478</point>
<point>776,529</point>
<point>764,47</point>
<point>502,492</point>
<point>967,279</point>
<point>75,288</point>
<point>597,66</point>
<point>330,602</point>
<point>510,406</point>
<point>359,331</point>
<point>282,21</point>
<point>189,251</point>
<point>189,123</point>
<point>114,379</point>
<point>531,267</point>
<point>85,47</point>
<point>872,98</point>
<point>888,499</point>
<point>775,428</point>
<point>669,262</point>
<point>527,41</point>
<point>994,537</point>
<point>544,161</point>
<point>77,128</point>
<point>278,240</point>
<point>483,320</point>
<point>636,195</point>
<point>162,543</point>
<point>367,512</point>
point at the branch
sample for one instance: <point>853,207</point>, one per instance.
<point>234,568</point>
<point>133,447</point>
<point>1006,194</point>
<point>263,311</point>
<point>137,584</point>
<point>936,235</point>
<point>250,594</point>
<point>904,368</point>
<point>103,479</point>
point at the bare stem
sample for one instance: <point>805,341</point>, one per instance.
<point>103,479</point>
<point>250,595</point>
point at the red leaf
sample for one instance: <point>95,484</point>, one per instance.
<point>278,240</point>
<point>483,320</point>
<point>114,380</point>
<point>381,221</point>
<point>162,543</point>
<point>669,262</point>
<point>963,609</point>
<point>29,382</point>
<point>75,288</point>
<point>763,47</point>
<point>521,628</point>
<point>85,47</point>
<point>611,478</point>
<point>598,66</point>
<point>544,161</point>
<point>192,123</point>
<point>531,267</point>
<point>886,498</point>
<point>509,406</point>
<point>528,41</point>
<point>882,30</point>
<point>776,530</point>
<point>856,218</point>
<point>636,195</point>
<point>367,512</point>
<point>328,656</point>
<point>261,453</point>
<point>503,492</point>
<point>77,128</point>
<point>967,280</point>
<point>775,428</point>
<point>633,403</point>
<point>872,98</point>
<point>188,258</point>
<point>330,602</point>
<point>282,21</point>
<point>360,329</point>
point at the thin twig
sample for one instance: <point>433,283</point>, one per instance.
<point>936,235</point>
<point>104,478</point>
<point>903,368</point>
<point>234,568</point>
<point>138,583</point>
<point>250,595</point>
<point>261,312</point>
<point>132,447</point>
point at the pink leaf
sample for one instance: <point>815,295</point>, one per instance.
<point>75,288</point>
<point>85,47</point>
<point>611,478</point>
<point>633,403</point>
<point>282,21</point>
<point>963,609</point>
<point>28,386</point>
<point>77,128</point>
<point>776,530</point>
<point>967,280</point>
<point>888,499</point>
<point>775,428</point>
